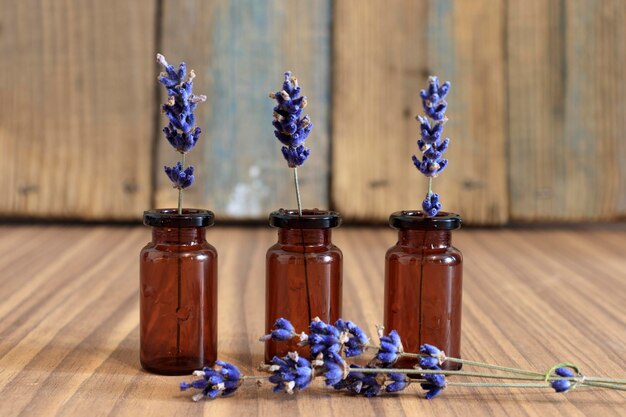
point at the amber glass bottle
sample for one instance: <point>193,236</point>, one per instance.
<point>424,284</point>
<point>303,275</point>
<point>178,293</point>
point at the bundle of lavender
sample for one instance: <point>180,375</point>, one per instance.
<point>332,345</point>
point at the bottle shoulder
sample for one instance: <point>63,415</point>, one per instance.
<point>447,255</point>
<point>202,248</point>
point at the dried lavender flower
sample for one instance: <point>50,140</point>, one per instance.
<point>435,383</point>
<point>181,101</point>
<point>356,341</point>
<point>291,129</point>
<point>291,373</point>
<point>562,385</point>
<point>223,379</point>
<point>399,382</point>
<point>430,144</point>
<point>295,156</point>
<point>335,368</point>
<point>433,352</point>
<point>323,338</point>
<point>283,330</point>
<point>390,348</point>
<point>367,384</point>
<point>181,131</point>
<point>181,178</point>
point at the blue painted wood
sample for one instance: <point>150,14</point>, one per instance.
<point>239,50</point>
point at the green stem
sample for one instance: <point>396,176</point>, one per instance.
<point>430,185</point>
<point>479,364</point>
<point>537,377</point>
<point>295,180</point>
<point>180,190</point>
<point>534,374</point>
<point>498,385</point>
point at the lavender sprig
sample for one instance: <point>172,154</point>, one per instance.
<point>294,373</point>
<point>291,373</point>
<point>291,128</point>
<point>431,163</point>
<point>222,379</point>
<point>181,131</point>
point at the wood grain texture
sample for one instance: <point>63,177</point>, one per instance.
<point>76,121</point>
<point>240,50</point>
<point>69,322</point>
<point>567,61</point>
<point>383,53</point>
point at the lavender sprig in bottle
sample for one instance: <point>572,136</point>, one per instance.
<point>181,132</point>
<point>431,163</point>
<point>291,128</point>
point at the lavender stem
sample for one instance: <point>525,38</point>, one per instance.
<point>295,180</point>
<point>180,189</point>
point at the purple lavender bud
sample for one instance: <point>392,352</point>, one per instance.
<point>357,339</point>
<point>360,383</point>
<point>200,384</point>
<point>291,373</point>
<point>400,382</point>
<point>390,348</point>
<point>290,128</point>
<point>430,350</point>
<point>295,156</point>
<point>333,370</point>
<point>323,338</point>
<point>564,372</point>
<point>561,385</point>
<point>431,205</point>
<point>180,178</point>
<point>283,330</point>
<point>223,379</point>
<point>431,390</point>
<point>428,362</point>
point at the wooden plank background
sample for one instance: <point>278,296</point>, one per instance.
<point>537,111</point>
<point>76,121</point>
<point>567,112</point>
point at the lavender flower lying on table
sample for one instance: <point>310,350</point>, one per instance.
<point>331,345</point>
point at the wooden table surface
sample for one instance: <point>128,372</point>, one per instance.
<point>69,321</point>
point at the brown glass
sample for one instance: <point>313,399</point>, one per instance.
<point>303,275</point>
<point>424,285</point>
<point>178,293</point>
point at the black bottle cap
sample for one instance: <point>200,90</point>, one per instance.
<point>171,218</point>
<point>310,219</point>
<point>417,220</point>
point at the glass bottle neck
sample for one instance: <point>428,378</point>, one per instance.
<point>178,236</point>
<point>425,238</point>
<point>304,237</point>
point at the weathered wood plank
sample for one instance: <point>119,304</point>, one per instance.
<point>69,335</point>
<point>567,112</point>
<point>76,122</point>
<point>239,50</point>
<point>379,70</point>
